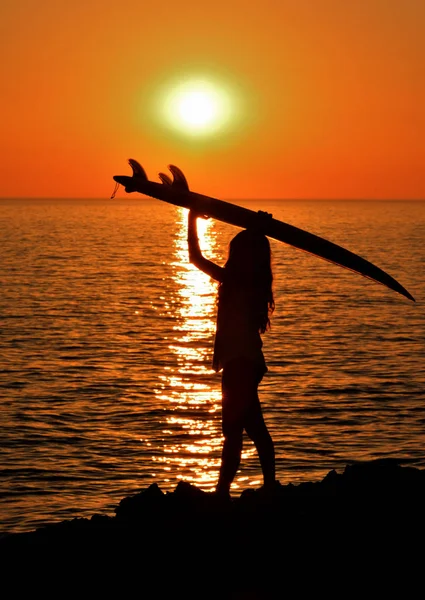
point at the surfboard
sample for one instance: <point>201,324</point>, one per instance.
<point>176,191</point>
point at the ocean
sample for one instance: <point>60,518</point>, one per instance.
<point>106,336</point>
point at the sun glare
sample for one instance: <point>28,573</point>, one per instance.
<point>197,107</point>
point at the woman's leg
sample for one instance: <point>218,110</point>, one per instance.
<point>259,434</point>
<point>230,460</point>
<point>236,389</point>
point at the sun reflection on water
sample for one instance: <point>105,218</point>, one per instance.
<point>190,392</point>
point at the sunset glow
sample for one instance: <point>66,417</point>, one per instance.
<point>323,100</point>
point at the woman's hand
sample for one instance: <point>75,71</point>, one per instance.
<point>265,216</point>
<point>194,214</point>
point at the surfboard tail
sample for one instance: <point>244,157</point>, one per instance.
<point>331,252</point>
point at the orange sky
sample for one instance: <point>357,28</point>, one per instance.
<point>332,96</point>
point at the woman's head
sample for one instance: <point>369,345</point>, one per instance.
<point>249,252</point>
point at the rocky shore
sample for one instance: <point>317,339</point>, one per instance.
<point>358,531</point>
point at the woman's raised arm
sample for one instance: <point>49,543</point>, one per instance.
<point>195,254</point>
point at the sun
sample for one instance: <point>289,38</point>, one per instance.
<point>197,107</point>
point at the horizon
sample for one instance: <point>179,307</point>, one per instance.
<point>230,200</point>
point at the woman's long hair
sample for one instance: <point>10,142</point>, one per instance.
<point>248,277</point>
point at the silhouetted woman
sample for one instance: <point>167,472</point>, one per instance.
<point>245,303</point>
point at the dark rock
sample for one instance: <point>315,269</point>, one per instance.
<point>142,504</point>
<point>368,520</point>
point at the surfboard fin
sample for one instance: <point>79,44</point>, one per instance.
<point>138,170</point>
<point>165,179</point>
<point>138,174</point>
<point>179,180</point>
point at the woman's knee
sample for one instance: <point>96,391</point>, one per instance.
<point>232,431</point>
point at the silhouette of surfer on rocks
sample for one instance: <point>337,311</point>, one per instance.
<point>245,305</point>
